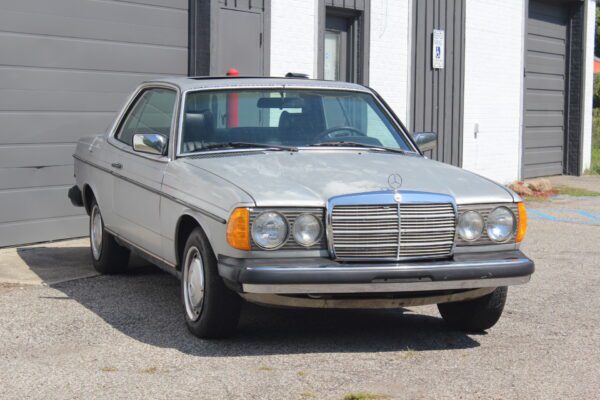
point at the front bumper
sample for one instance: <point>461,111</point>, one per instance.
<point>324,276</point>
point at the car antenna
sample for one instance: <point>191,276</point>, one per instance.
<point>297,75</point>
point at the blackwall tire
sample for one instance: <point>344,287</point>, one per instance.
<point>475,315</point>
<point>211,310</point>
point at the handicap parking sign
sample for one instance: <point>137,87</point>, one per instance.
<point>438,49</point>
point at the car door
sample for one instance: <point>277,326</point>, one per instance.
<point>138,176</point>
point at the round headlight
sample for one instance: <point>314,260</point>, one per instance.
<point>500,224</point>
<point>470,226</point>
<point>307,230</point>
<point>269,230</point>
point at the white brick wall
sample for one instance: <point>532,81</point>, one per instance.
<point>493,88</point>
<point>589,83</point>
<point>389,61</point>
<point>293,37</point>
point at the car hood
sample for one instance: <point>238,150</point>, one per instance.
<point>311,177</point>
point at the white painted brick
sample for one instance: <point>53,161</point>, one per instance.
<point>589,83</point>
<point>493,88</point>
<point>293,37</point>
<point>389,48</point>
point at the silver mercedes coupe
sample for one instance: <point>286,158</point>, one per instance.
<point>295,193</point>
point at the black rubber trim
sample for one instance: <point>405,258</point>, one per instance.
<point>507,264</point>
<point>150,189</point>
<point>75,196</point>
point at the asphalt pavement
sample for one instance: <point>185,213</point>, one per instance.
<point>110,337</point>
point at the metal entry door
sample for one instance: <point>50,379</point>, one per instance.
<point>240,41</point>
<point>545,77</point>
<point>437,93</point>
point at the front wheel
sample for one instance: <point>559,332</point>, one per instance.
<point>475,315</point>
<point>211,309</point>
<point>107,256</point>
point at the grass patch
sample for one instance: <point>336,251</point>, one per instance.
<point>265,368</point>
<point>308,394</point>
<point>576,192</point>
<point>108,369</point>
<point>408,354</point>
<point>365,396</point>
<point>151,370</point>
<point>595,167</point>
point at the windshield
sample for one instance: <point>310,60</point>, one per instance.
<point>217,119</point>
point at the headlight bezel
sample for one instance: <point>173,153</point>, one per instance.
<point>283,240</point>
<point>290,213</point>
<point>485,209</point>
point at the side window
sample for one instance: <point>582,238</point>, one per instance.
<point>152,112</point>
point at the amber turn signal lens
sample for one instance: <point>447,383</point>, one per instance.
<point>522,222</point>
<point>238,229</point>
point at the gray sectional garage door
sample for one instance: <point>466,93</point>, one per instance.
<point>545,77</point>
<point>66,66</point>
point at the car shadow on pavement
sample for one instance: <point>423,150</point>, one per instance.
<point>144,304</point>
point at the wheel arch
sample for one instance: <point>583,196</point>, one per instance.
<point>184,227</point>
<point>88,195</point>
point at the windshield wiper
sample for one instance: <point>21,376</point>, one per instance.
<point>342,143</point>
<point>241,145</point>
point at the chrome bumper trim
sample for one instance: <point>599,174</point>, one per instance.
<point>362,303</point>
<point>383,287</point>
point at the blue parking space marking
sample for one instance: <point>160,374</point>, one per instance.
<point>591,219</point>
<point>532,214</point>
<point>587,214</point>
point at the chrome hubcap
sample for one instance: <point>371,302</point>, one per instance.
<point>96,232</point>
<point>193,283</point>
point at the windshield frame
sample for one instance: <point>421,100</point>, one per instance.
<point>389,114</point>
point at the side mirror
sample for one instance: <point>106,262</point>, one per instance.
<point>425,140</point>
<point>151,143</point>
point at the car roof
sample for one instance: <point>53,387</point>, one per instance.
<point>213,82</point>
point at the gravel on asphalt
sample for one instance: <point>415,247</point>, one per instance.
<point>123,336</point>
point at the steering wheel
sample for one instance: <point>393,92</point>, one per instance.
<point>329,133</point>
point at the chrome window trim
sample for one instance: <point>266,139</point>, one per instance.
<point>380,198</point>
<point>392,118</point>
<point>112,140</point>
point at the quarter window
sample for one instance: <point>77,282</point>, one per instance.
<point>152,112</point>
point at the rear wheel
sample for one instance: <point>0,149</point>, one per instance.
<point>475,315</point>
<point>211,309</point>
<point>107,256</point>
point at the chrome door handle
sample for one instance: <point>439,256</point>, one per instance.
<point>117,165</point>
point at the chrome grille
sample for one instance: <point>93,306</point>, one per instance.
<point>392,231</point>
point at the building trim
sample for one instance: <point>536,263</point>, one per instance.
<point>362,11</point>
<point>573,156</point>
